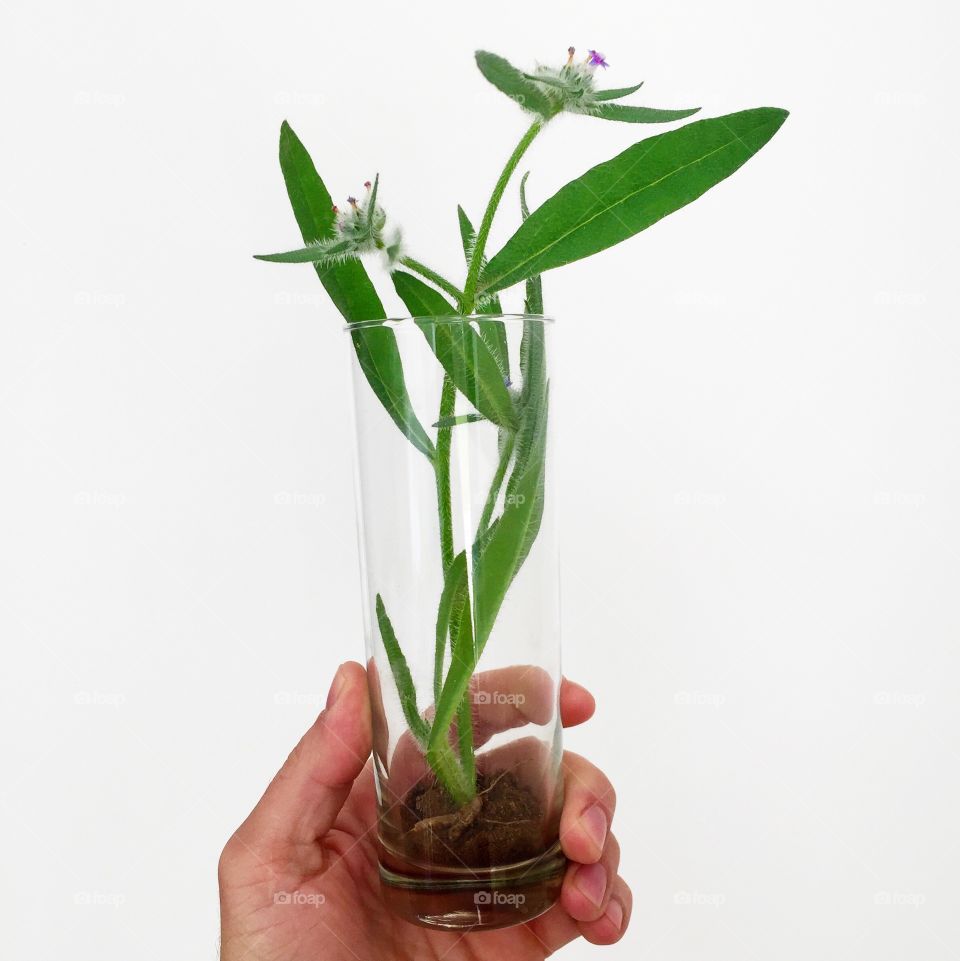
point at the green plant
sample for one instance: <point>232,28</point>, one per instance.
<point>607,204</point>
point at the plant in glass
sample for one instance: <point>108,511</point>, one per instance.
<point>467,739</point>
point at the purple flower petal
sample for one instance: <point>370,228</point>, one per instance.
<point>596,59</point>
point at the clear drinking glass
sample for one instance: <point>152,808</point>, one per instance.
<point>461,598</point>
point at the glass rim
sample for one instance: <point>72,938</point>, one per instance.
<point>447,319</point>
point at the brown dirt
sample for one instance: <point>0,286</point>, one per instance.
<point>503,824</point>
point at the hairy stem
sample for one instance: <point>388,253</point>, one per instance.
<point>429,274</point>
<point>448,396</point>
<point>476,260</point>
<point>441,467</point>
<point>460,778</point>
<point>468,760</point>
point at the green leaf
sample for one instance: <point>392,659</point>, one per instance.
<point>616,93</point>
<point>311,254</point>
<point>458,419</point>
<point>468,237</point>
<point>401,675</point>
<point>420,298</point>
<point>511,81</point>
<point>533,301</point>
<point>493,332</point>
<point>460,349</point>
<point>628,114</point>
<point>351,290</point>
<point>621,197</point>
<point>372,201</point>
<point>379,357</point>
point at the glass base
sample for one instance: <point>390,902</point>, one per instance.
<point>473,898</point>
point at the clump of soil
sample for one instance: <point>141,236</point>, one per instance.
<point>501,825</point>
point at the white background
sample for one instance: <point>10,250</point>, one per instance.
<point>758,413</point>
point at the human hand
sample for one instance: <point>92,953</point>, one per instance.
<point>299,879</point>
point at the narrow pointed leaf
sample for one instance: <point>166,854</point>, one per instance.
<point>372,201</point>
<point>619,198</point>
<point>533,301</point>
<point>460,349</point>
<point>616,93</point>
<point>493,332</point>
<point>310,254</point>
<point>468,237</point>
<point>379,357</point>
<point>348,284</point>
<point>511,81</point>
<point>628,114</point>
<point>351,290</point>
<point>419,298</point>
<point>458,419</point>
<point>401,675</point>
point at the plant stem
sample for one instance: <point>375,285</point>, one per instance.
<point>424,271</point>
<point>441,467</point>
<point>460,778</point>
<point>443,763</point>
<point>476,260</point>
<point>448,396</point>
<point>468,760</point>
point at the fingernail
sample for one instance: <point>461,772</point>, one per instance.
<point>595,824</point>
<point>339,682</point>
<point>591,881</point>
<point>615,913</point>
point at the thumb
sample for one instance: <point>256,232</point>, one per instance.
<point>304,799</point>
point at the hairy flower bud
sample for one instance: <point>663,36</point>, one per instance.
<point>360,229</point>
<point>571,87</point>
